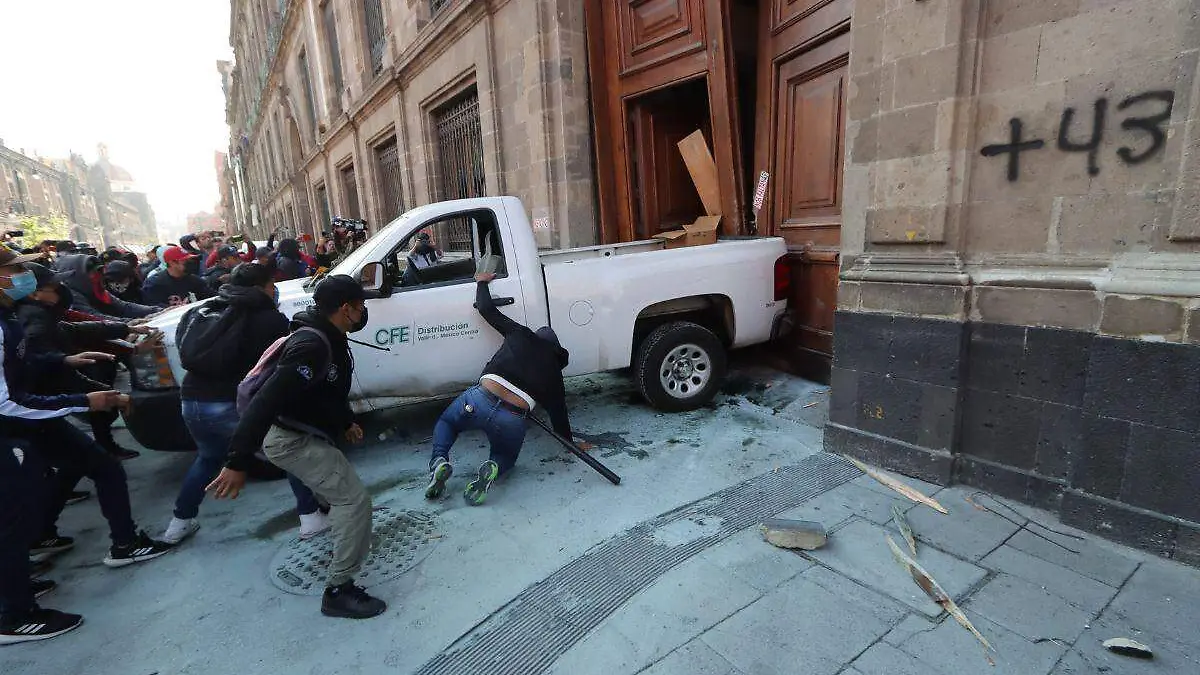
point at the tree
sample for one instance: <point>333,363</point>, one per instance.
<point>40,228</point>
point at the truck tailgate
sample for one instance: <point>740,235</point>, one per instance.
<point>596,294</point>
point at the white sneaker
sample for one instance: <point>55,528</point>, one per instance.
<point>312,524</point>
<point>180,529</point>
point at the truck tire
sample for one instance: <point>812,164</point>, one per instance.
<point>680,366</point>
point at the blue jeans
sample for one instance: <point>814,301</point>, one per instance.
<point>212,424</point>
<point>505,429</point>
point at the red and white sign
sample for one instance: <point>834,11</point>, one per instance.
<point>760,192</point>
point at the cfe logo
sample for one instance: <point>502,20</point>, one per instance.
<point>396,335</point>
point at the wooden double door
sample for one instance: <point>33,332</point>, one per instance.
<point>766,81</point>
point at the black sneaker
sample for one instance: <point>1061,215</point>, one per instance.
<point>78,496</point>
<point>438,475</point>
<point>123,453</point>
<point>37,624</point>
<point>350,602</point>
<point>42,586</point>
<point>142,549</point>
<point>476,491</point>
<point>50,547</point>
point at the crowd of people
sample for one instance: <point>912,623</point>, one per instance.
<point>255,381</point>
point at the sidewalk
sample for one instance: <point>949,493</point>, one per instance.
<point>664,574</point>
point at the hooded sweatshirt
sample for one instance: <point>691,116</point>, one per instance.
<point>532,362</point>
<point>89,294</point>
<point>297,395</point>
<point>288,262</point>
<point>260,325</point>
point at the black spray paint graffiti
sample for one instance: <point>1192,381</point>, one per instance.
<point>1069,142</point>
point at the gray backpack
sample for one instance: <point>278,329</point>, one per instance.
<point>262,371</point>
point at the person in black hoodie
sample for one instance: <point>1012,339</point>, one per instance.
<point>288,263</point>
<point>210,396</point>
<point>121,280</point>
<point>177,286</point>
<point>88,293</point>
<point>46,331</point>
<point>526,371</point>
<point>297,417</point>
<point>218,275</point>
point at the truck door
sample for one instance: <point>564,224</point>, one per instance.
<point>438,341</point>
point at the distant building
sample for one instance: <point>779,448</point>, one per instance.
<point>116,183</point>
<point>367,108</point>
<point>33,187</point>
<point>205,222</point>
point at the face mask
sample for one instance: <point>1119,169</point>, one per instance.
<point>22,285</point>
<point>361,323</point>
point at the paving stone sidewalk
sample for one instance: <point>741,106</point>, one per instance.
<point>745,607</point>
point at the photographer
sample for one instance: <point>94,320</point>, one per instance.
<point>348,234</point>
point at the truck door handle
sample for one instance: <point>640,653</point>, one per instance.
<point>499,302</point>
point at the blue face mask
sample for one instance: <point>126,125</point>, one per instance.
<point>22,285</point>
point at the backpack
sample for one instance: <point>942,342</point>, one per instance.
<point>265,368</point>
<point>209,338</point>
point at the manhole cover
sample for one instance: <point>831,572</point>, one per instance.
<point>399,540</point>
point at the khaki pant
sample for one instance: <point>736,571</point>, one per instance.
<point>327,472</point>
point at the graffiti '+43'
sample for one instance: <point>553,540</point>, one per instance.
<point>1147,115</point>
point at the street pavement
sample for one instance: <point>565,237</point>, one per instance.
<point>666,574</point>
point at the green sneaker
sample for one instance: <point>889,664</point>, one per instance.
<point>438,476</point>
<point>477,489</point>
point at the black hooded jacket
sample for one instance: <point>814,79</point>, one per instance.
<point>84,294</point>
<point>297,395</point>
<point>288,262</point>
<point>260,324</point>
<point>46,333</point>
<point>528,361</point>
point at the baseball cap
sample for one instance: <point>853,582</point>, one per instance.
<point>336,291</point>
<point>46,276</point>
<point>11,257</point>
<point>251,274</point>
<point>176,254</point>
<point>118,268</point>
<point>227,252</point>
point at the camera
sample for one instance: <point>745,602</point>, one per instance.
<point>356,228</point>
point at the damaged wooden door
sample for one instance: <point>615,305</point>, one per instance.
<point>803,76</point>
<point>659,70</point>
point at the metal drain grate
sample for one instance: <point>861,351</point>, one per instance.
<point>548,618</point>
<point>399,540</point>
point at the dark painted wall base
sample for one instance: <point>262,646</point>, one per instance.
<point>1104,431</point>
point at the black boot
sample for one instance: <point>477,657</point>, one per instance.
<point>348,601</point>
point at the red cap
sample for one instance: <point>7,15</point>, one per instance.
<point>176,254</point>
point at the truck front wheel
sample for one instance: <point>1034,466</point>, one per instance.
<point>680,366</point>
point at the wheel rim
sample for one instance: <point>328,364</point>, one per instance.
<point>685,371</point>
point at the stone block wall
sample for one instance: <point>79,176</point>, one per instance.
<point>1020,291</point>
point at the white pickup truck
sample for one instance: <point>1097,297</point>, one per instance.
<point>671,315</point>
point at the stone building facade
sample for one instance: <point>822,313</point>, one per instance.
<point>34,187</point>
<point>366,108</point>
<point>1019,300</point>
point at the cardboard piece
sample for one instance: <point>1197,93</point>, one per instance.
<point>703,169</point>
<point>703,231</point>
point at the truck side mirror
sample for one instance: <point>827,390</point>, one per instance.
<point>372,279</point>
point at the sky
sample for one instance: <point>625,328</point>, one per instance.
<point>137,75</point>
